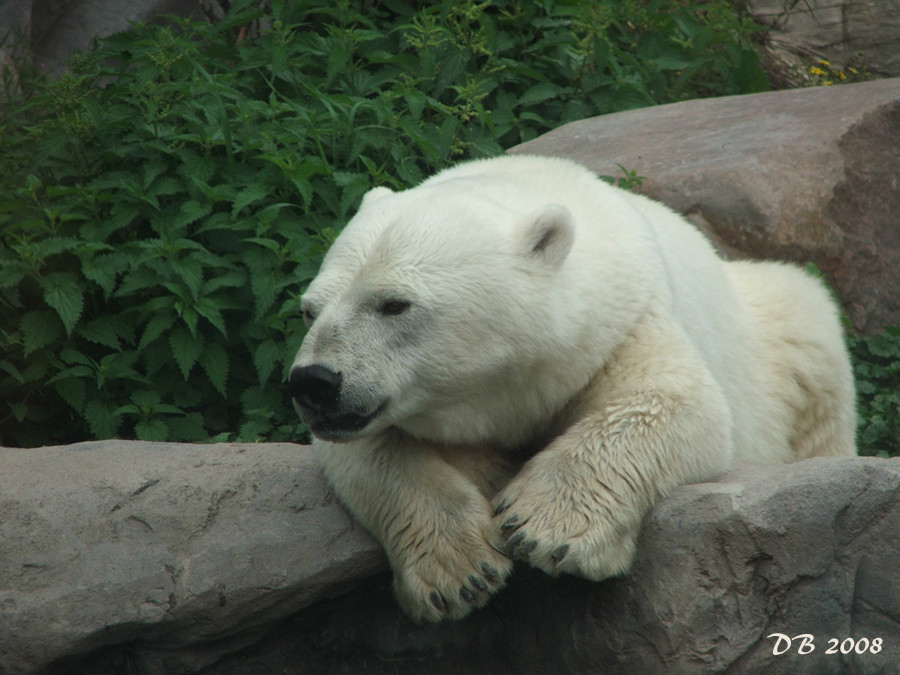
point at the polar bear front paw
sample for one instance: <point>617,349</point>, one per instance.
<point>561,526</point>
<point>450,580</point>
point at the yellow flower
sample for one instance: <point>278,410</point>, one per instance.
<point>823,62</point>
<point>816,71</point>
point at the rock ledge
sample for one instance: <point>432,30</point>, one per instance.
<point>167,558</point>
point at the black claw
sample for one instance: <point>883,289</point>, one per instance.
<point>466,594</point>
<point>559,553</point>
<point>528,548</point>
<point>501,507</point>
<point>435,598</point>
<point>489,571</point>
<point>477,583</point>
<point>510,523</point>
<point>515,541</point>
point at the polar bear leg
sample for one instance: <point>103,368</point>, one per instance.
<point>433,522</point>
<point>654,419</point>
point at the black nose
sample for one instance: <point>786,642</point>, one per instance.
<point>314,386</point>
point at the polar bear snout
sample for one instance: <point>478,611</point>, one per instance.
<point>331,413</point>
<point>314,387</point>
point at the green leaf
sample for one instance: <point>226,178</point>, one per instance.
<point>186,349</point>
<point>118,366</point>
<point>104,269</point>
<point>53,246</point>
<point>209,309</point>
<point>138,279</point>
<point>39,329</point>
<point>198,168</point>
<point>12,272</point>
<point>153,169</point>
<point>19,411</point>
<point>190,212</point>
<point>539,93</point>
<point>253,431</point>
<point>167,185</point>
<point>121,214</point>
<point>74,356</point>
<point>102,331</point>
<point>151,430</point>
<point>101,420</point>
<point>263,282</point>
<point>266,357</point>
<point>252,193</point>
<point>73,391</point>
<point>215,362</point>
<point>145,399</point>
<point>884,346</point>
<point>187,428</point>
<point>62,291</point>
<point>157,325</point>
<point>190,271</point>
<point>10,368</point>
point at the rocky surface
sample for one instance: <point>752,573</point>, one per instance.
<point>843,32</point>
<point>57,29</point>
<point>182,551</point>
<point>164,558</point>
<point>803,175</point>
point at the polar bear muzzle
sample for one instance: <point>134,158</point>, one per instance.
<point>316,392</point>
<point>315,386</point>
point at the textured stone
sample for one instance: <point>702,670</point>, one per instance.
<point>805,175</point>
<point>56,29</point>
<point>810,548</point>
<point>187,550</point>
<point>839,31</point>
<point>154,558</point>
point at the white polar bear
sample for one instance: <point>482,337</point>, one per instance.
<point>513,360</point>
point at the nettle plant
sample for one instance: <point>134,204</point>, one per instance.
<point>876,364</point>
<point>166,201</point>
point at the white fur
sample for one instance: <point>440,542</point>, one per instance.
<point>571,352</point>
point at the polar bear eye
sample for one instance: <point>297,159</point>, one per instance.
<point>393,307</point>
<point>308,316</point>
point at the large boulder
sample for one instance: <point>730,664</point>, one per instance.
<point>166,558</point>
<point>723,571</point>
<point>803,175</point>
<point>187,550</point>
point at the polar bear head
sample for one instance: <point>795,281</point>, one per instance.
<point>451,311</point>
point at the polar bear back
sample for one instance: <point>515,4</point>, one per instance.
<point>769,332</point>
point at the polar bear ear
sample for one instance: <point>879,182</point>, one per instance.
<point>374,195</point>
<point>549,234</point>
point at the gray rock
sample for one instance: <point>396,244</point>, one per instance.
<point>57,29</point>
<point>810,548</point>
<point>804,175</point>
<point>190,550</point>
<point>164,558</point>
<point>839,31</point>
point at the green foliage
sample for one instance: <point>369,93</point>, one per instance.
<point>876,364</point>
<point>165,203</point>
<point>629,179</point>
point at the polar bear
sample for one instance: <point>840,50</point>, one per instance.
<point>513,360</point>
